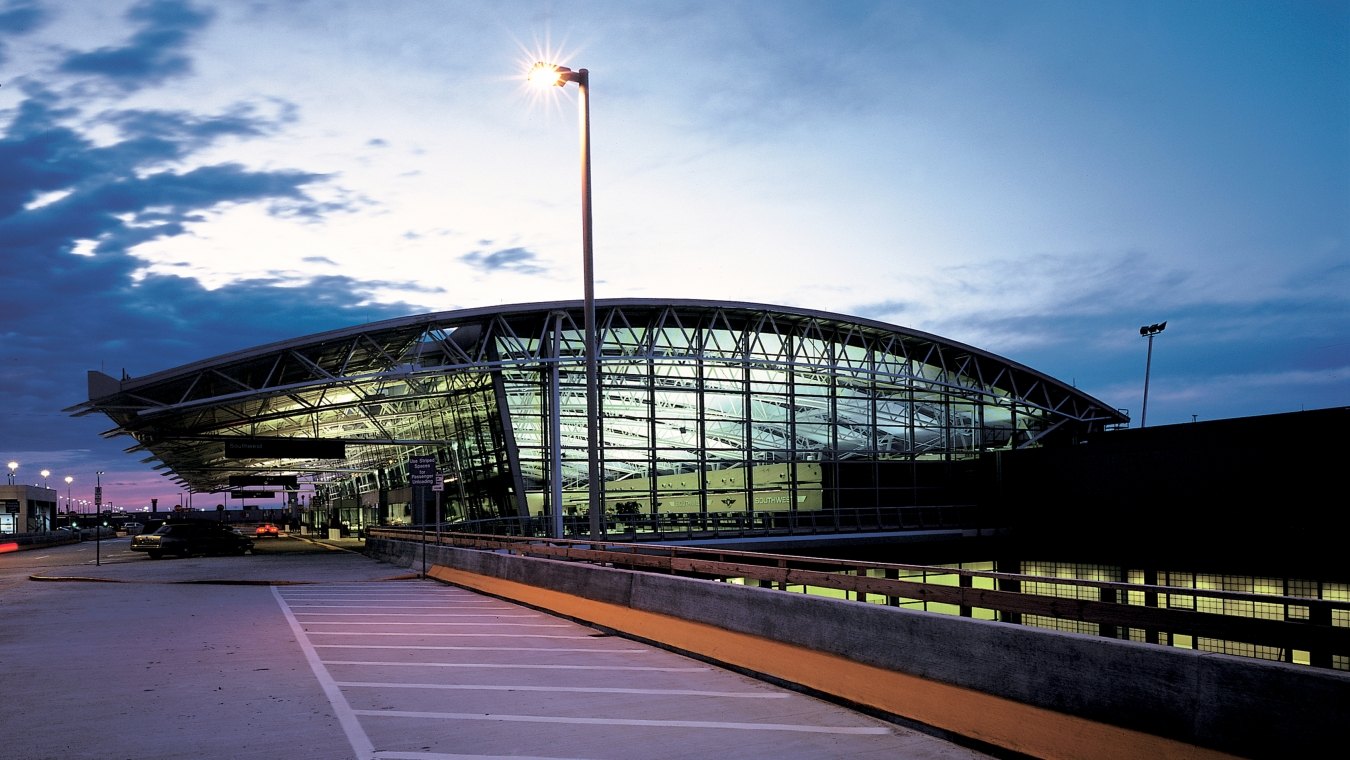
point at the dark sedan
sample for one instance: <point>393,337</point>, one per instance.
<point>185,539</point>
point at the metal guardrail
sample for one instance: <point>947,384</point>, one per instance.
<point>1320,627</point>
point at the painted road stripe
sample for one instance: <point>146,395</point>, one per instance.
<point>457,600</point>
<point>456,624</point>
<point>361,744</point>
<point>480,649</point>
<point>395,755</point>
<point>509,666</point>
<point>382,603</point>
<point>410,614</point>
<point>420,598</point>
<point>468,635</point>
<point>856,730</point>
<point>570,689</point>
<point>407,608</point>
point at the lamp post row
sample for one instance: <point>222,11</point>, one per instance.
<point>13,467</point>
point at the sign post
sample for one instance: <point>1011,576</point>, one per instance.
<point>436,489</point>
<point>421,476</point>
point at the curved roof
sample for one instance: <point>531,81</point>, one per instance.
<point>366,385</point>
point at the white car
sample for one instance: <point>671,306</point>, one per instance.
<point>132,528</point>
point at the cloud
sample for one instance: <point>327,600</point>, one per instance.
<point>153,55</point>
<point>20,18</point>
<point>75,208</point>
<point>518,260</point>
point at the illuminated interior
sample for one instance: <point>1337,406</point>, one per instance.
<point>705,407</point>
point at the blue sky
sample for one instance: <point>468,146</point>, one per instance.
<point>1039,179</point>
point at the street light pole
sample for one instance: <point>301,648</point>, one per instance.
<point>1148,331</point>
<point>547,74</point>
<point>13,466</point>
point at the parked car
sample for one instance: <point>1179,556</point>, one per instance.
<point>185,539</point>
<point>132,528</point>
<point>267,530</point>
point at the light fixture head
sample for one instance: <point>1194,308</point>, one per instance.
<point>547,75</point>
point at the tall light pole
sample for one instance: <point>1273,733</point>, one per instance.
<point>1148,331</point>
<point>551,75</point>
<point>69,479</point>
<point>13,466</point>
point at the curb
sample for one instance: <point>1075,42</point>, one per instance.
<point>82,579</point>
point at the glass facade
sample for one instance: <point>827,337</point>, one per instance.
<point>705,408</point>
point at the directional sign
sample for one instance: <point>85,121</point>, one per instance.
<point>285,448</point>
<point>422,470</point>
<point>278,481</point>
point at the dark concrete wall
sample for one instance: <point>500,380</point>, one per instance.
<point>1252,495</point>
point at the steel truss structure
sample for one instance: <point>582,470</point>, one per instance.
<point>704,406</point>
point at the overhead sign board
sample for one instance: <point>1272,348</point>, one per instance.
<point>276,481</point>
<point>422,470</point>
<point>285,448</point>
<point>252,494</point>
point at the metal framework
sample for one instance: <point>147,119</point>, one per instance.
<point>704,406</point>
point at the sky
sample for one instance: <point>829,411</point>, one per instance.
<point>1037,178</point>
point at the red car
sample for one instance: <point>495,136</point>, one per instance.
<point>265,530</point>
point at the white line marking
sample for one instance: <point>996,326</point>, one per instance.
<point>857,730</point>
<point>292,591</point>
<point>480,649</point>
<point>371,601</point>
<point>396,755</point>
<point>351,725</point>
<point>466,635</point>
<point>451,623</point>
<point>409,614</point>
<point>511,666</point>
<point>405,608</point>
<point>571,689</point>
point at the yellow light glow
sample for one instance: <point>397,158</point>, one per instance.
<point>544,75</point>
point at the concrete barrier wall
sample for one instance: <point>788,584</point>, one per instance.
<point>22,541</point>
<point>1242,706</point>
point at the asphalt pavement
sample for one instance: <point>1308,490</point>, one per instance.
<point>308,649</point>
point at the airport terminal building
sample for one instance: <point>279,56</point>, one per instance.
<point>704,408</point>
